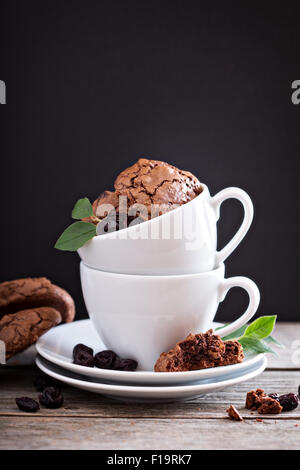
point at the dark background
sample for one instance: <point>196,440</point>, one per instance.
<point>206,86</point>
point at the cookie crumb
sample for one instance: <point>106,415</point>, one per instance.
<point>234,414</point>
<point>253,399</point>
<point>269,406</point>
<point>264,404</point>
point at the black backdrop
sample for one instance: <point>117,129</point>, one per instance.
<point>206,86</point>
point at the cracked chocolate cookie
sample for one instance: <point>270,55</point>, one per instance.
<point>28,293</point>
<point>154,182</point>
<point>200,351</point>
<point>20,330</point>
<point>150,182</point>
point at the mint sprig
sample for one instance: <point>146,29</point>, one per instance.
<point>256,337</point>
<point>272,340</point>
<point>83,208</point>
<point>261,327</point>
<point>77,234</point>
<point>255,345</point>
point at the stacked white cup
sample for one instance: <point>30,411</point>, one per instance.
<point>150,285</point>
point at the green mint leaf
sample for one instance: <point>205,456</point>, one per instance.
<point>270,350</point>
<point>75,236</point>
<point>261,328</point>
<point>222,326</point>
<point>83,208</point>
<point>253,344</point>
<point>256,337</point>
<point>272,340</point>
<point>236,334</point>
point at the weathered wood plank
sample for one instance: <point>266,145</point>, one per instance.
<point>87,433</point>
<point>80,403</point>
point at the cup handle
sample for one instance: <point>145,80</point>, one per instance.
<point>251,288</point>
<point>242,196</point>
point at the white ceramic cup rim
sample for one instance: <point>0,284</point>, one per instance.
<point>116,233</point>
<point>212,272</point>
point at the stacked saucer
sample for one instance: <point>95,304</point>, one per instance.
<point>147,287</point>
<point>55,359</point>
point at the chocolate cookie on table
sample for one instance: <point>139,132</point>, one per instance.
<point>28,308</point>
<point>27,293</point>
<point>265,404</point>
<point>21,329</point>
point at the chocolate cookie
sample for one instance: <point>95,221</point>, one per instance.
<point>28,293</point>
<point>150,182</point>
<point>200,351</point>
<point>105,202</point>
<point>20,330</point>
<point>155,182</point>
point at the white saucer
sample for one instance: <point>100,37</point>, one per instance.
<point>153,394</point>
<point>57,345</point>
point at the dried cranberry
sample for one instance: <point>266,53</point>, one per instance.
<point>42,381</point>
<point>51,397</point>
<point>125,364</point>
<point>289,401</point>
<point>105,359</point>
<point>27,404</point>
<point>82,347</point>
<point>83,358</point>
<point>83,355</point>
<point>275,396</point>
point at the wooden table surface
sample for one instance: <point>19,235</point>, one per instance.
<point>90,421</point>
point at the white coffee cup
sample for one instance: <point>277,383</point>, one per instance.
<point>181,241</point>
<point>139,317</point>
